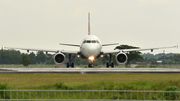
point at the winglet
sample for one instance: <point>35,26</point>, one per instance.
<point>89,23</point>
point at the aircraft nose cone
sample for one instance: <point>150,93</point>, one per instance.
<point>92,51</point>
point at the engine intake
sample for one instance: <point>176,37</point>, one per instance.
<point>121,58</point>
<point>59,58</point>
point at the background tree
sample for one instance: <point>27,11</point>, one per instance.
<point>148,56</point>
<point>49,59</point>
<point>10,57</point>
<point>15,57</point>
<point>41,57</point>
<point>25,60</point>
<point>32,57</point>
<point>177,58</point>
<point>132,56</point>
<point>104,59</point>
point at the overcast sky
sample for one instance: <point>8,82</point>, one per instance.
<point>43,24</point>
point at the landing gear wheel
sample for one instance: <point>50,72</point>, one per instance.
<point>112,65</point>
<point>90,65</point>
<point>107,65</point>
<point>70,61</point>
<point>67,65</point>
<point>72,65</point>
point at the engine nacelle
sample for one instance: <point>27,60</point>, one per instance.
<point>59,58</point>
<point>121,58</point>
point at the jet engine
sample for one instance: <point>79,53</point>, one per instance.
<point>121,58</point>
<point>59,58</point>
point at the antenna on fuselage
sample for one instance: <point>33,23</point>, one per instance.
<point>89,23</point>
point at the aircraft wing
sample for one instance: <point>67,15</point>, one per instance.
<point>69,52</point>
<point>111,51</point>
<point>45,50</point>
<point>31,49</point>
<point>137,49</point>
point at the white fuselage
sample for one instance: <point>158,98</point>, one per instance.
<point>90,46</point>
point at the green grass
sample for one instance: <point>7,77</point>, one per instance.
<point>124,81</point>
<point>88,81</point>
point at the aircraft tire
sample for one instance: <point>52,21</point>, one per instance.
<point>107,65</point>
<point>112,65</point>
<point>67,65</point>
<point>72,65</point>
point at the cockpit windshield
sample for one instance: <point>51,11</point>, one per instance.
<point>88,41</point>
<point>91,41</point>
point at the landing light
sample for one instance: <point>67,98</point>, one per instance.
<point>102,55</point>
<point>78,56</point>
<point>91,58</point>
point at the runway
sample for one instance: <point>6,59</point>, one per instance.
<point>89,70</point>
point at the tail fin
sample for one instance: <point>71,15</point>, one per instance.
<point>89,23</point>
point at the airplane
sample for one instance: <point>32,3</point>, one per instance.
<point>90,48</point>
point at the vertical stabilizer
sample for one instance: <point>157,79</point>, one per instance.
<point>89,23</point>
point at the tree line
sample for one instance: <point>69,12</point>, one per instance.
<point>16,57</point>
<point>169,58</point>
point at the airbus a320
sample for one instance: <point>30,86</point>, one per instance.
<point>90,48</point>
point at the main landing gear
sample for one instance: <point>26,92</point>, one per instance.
<point>70,60</point>
<point>109,63</point>
<point>70,65</point>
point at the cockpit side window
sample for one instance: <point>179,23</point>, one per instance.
<point>97,41</point>
<point>84,41</point>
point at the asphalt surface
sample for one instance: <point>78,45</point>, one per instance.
<point>89,70</point>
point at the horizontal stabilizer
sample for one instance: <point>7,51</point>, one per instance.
<point>70,45</point>
<point>110,44</point>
